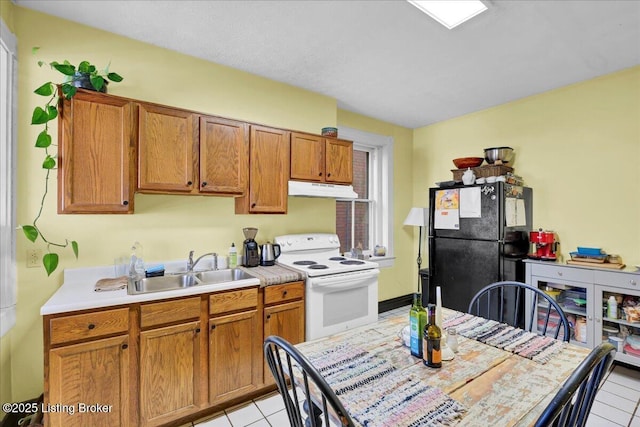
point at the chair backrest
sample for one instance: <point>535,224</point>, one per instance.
<point>284,359</point>
<point>571,405</point>
<point>506,302</point>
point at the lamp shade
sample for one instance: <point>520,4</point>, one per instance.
<point>417,217</point>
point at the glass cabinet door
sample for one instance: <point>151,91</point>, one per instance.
<point>620,325</point>
<point>574,298</point>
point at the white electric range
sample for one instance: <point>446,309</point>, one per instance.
<point>341,292</point>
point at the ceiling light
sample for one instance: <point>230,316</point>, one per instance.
<point>450,13</point>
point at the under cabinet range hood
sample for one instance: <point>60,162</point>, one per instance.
<point>316,189</point>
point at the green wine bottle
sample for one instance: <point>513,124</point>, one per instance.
<point>417,322</point>
<point>431,341</point>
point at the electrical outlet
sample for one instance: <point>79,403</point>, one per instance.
<point>34,258</point>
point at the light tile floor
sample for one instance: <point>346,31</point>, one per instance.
<point>617,403</point>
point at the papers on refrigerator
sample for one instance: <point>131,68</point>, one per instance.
<point>470,204</point>
<point>515,212</point>
<point>447,214</point>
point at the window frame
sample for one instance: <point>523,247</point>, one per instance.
<point>8,157</point>
<point>380,149</point>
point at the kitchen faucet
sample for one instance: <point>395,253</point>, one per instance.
<point>191,264</point>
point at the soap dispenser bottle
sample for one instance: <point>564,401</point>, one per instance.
<point>233,256</point>
<point>136,265</point>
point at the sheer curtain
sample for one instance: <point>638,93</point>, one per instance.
<point>8,102</point>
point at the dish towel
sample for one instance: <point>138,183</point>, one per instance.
<point>112,284</point>
<point>536,347</point>
<point>377,394</point>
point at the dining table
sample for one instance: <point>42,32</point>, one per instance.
<point>499,376</point>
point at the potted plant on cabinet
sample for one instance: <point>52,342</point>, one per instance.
<point>86,76</point>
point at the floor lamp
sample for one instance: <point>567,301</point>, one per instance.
<point>417,218</point>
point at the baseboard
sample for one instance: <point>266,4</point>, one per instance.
<point>396,302</point>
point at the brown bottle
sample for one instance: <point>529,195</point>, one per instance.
<point>432,354</point>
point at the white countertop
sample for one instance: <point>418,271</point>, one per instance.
<point>77,292</point>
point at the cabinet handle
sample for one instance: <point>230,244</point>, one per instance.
<point>126,202</point>
<point>598,320</point>
<point>253,205</point>
<point>189,183</point>
<point>320,174</point>
<point>213,327</point>
<point>204,184</point>
<point>125,346</point>
<point>91,326</point>
<point>559,273</point>
<point>268,316</point>
<point>589,318</point>
<point>329,174</point>
<point>284,294</point>
<point>633,282</point>
<point>197,330</point>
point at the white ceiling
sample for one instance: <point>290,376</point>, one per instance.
<point>386,59</point>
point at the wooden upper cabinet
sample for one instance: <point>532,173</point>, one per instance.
<point>167,149</point>
<point>268,172</point>
<point>224,156</point>
<point>339,163</point>
<point>95,152</point>
<point>307,157</point>
<point>319,159</point>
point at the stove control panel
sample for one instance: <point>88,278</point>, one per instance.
<point>308,242</point>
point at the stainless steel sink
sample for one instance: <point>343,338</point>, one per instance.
<point>185,280</point>
<point>219,276</point>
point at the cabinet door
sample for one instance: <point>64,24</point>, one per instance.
<point>224,156</point>
<point>94,155</point>
<point>95,372</point>
<point>167,149</point>
<point>235,355</point>
<point>621,326</point>
<point>576,300</point>
<point>307,157</point>
<point>339,166</point>
<point>287,321</point>
<point>268,172</point>
<point>170,373</point>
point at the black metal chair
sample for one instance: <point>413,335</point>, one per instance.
<point>571,405</point>
<point>506,302</point>
<point>283,358</point>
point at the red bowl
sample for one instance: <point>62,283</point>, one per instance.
<point>468,162</point>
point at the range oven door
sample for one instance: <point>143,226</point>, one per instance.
<point>338,302</point>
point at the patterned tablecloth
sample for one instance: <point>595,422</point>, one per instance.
<point>483,385</point>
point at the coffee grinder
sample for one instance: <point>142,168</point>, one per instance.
<point>250,248</point>
<point>545,245</point>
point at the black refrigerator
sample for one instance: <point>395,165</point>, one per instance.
<point>478,234</point>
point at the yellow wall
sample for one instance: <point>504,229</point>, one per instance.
<point>167,226</point>
<point>402,279</point>
<point>577,146</point>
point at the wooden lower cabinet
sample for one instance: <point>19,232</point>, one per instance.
<point>235,358</point>
<point>285,317</point>
<point>92,373</point>
<point>170,373</point>
<point>163,363</point>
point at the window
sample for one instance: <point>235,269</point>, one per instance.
<point>367,221</point>
<point>8,285</point>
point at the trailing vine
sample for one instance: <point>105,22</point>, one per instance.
<point>42,115</point>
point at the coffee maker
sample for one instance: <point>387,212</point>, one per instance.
<point>250,248</point>
<point>545,245</point>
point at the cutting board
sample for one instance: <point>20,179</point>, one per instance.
<point>598,265</point>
